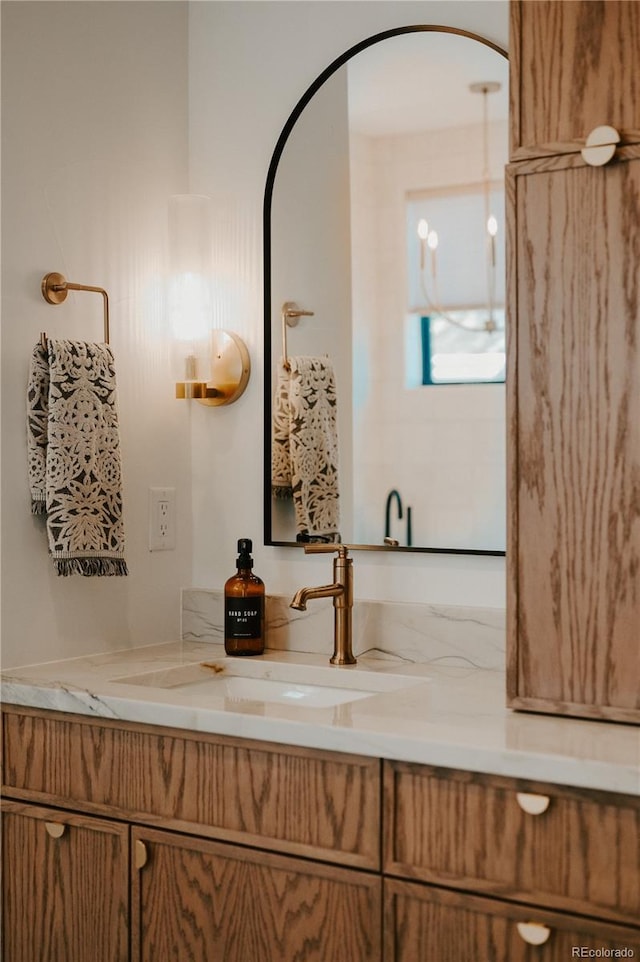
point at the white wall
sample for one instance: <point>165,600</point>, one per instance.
<point>249,64</point>
<point>94,140</point>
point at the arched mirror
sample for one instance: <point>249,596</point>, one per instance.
<point>384,300</point>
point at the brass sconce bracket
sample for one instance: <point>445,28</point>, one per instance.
<point>230,371</point>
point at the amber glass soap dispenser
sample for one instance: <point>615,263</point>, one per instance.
<point>244,607</point>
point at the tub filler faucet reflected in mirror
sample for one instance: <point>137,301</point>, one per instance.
<point>342,593</point>
<point>388,539</point>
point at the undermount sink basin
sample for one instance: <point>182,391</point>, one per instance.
<point>284,684</point>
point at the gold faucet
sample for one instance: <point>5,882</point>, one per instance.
<point>342,593</point>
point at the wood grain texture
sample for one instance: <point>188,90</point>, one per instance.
<point>513,171</point>
<point>573,390</point>
<point>468,831</point>
<point>303,801</point>
<point>198,901</point>
<point>576,542</point>
<point>515,36</point>
<point>426,924</point>
<point>574,67</point>
<point>64,899</point>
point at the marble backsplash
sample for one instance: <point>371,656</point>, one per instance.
<point>447,634</point>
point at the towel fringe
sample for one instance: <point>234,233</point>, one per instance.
<point>282,492</point>
<point>39,508</point>
<point>90,566</point>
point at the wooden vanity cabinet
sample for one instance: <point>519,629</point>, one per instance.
<point>65,886</point>
<point>429,865</point>
<point>308,822</point>
<point>477,865</point>
<point>573,391</point>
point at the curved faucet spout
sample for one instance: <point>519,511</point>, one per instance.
<point>299,601</point>
<point>393,494</point>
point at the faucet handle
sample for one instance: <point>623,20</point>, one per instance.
<point>341,549</point>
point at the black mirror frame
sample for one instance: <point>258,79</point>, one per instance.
<point>266,233</point>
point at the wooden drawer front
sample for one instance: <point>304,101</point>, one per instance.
<point>469,831</point>
<point>65,886</point>
<point>426,924</point>
<point>204,901</point>
<point>297,800</point>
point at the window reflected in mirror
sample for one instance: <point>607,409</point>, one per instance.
<point>438,352</point>
<point>456,284</point>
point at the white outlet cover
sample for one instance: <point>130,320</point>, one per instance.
<point>162,519</point>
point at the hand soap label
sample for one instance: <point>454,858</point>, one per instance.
<point>243,617</point>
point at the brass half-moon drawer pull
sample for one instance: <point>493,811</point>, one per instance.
<point>533,933</point>
<point>141,854</point>
<point>533,804</point>
<point>600,146</point>
<point>55,829</point>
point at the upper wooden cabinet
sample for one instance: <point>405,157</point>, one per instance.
<point>573,66</point>
<point>574,402</point>
<point>573,389</point>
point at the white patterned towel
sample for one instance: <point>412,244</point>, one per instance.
<point>305,445</point>
<point>74,456</point>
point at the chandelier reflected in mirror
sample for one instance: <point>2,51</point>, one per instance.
<point>429,240</point>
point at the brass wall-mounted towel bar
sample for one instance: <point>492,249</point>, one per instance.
<point>291,314</point>
<point>55,288</point>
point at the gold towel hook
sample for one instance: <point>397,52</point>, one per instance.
<point>55,288</point>
<point>291,314</point>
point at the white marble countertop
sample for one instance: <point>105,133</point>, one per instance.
<point>447,716</point>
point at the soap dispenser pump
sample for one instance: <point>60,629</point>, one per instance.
<point>244,606</point>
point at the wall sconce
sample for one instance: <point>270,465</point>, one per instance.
<point>213,365</point>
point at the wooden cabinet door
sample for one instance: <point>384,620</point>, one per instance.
<point>65,887</point>
<point>212,902</point>
<point>573,67</point>
<point>574,422</point>
<point>425,924</point>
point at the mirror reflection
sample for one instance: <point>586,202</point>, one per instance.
<point>384,301</point>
